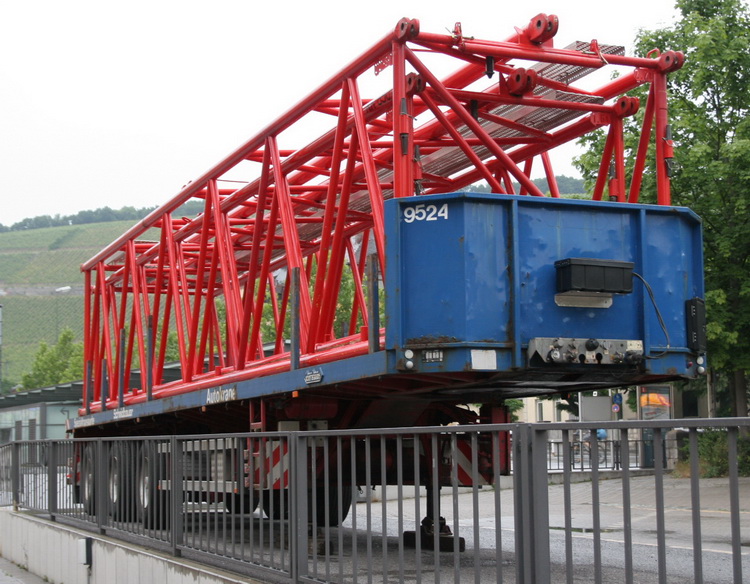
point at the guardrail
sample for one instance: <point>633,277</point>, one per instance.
<point>311,506</point>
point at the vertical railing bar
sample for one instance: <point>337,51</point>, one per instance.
<point>368,503</point>
<point>454,497</point>
<point>237,495</point>
<point>300,513</point>
<point>134,515</point>
<point>417,506</point>
<point>214,484</point>
<point>626,513</point>
<point>51,447</point>
<point>475,503</point>
<point>695,506</point>
<point>264,492</point>
<point>197,463</point>
<point>327,487</point>
<point>659,492</point>
<point>226,525</point>
<point>221,489</point>
<point>205,484</point>
<point>595,505</point>
<point>228,462</point>
<point>400,503</point>
<point>498,509</point>
<point>355,551</point>
<point>63,454</point>
<point>340,465</point>
<point>177,478</point>
<point>243,493</point>
<point>339,500</point>
<point>272,512</point>
<point>383,505</point>
<point>15,474</point>
<point>313,510</point>
<point>254,493</point>
<point>521,509</point>
<point>540,502</point>
<point>339,512</point>
<point>286,502</point>
<point>435,480</point>
<point>123,496</point>
<point>567,506</point>
<point>734,504</point>
<point>189,469</point>
<point>100,496</point>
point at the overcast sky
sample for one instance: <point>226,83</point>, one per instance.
<point>122,103</point>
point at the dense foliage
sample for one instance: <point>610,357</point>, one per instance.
<point>567,185</point>
<point>709,103</point>
<point>713,448</point>
<point>59,363</point>
<point>101,215</point>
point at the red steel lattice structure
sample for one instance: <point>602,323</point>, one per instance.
<point>271,210</point>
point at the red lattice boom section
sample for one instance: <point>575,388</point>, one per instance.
<point>215,291</point>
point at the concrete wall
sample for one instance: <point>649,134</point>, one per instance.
<point>50,551</point>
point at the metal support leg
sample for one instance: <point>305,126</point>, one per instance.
<point>434,531</point>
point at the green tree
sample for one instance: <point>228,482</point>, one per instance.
<point>55,364</point>
<point>514,406</point>
<point>709,122</point>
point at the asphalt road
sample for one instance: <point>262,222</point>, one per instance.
<point>478,563</point>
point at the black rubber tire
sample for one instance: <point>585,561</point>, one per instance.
<point>273,500</point>
<point>242,504</point>
<point>121,481</point>
<point>88,478</point>
<point>152,503</point>
<point>332,519</point>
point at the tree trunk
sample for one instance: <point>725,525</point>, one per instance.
<point>740,394</point>
<point>740,409</point>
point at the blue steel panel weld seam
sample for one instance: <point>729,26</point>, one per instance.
<point>515,271</point>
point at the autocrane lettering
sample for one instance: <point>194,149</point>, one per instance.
<point>221,394</point>
<point>122,413</point>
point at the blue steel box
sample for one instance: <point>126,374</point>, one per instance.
<point>478,270</point>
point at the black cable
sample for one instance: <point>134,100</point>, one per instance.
<point>658,316</point>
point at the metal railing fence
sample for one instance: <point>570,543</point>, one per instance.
<point>413,504</point>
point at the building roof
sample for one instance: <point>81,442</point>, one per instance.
<point>64,392</point>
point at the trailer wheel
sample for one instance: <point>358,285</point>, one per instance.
<point>120,481</point>
<point>245,504</point>
<point>332,519</point>
<point>152,502</point>
<point>272,504</point>
<point>88,479</point>
<point>273,501</point>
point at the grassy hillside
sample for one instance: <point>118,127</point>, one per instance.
<point>52,256</point>
<point>33,265</point>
